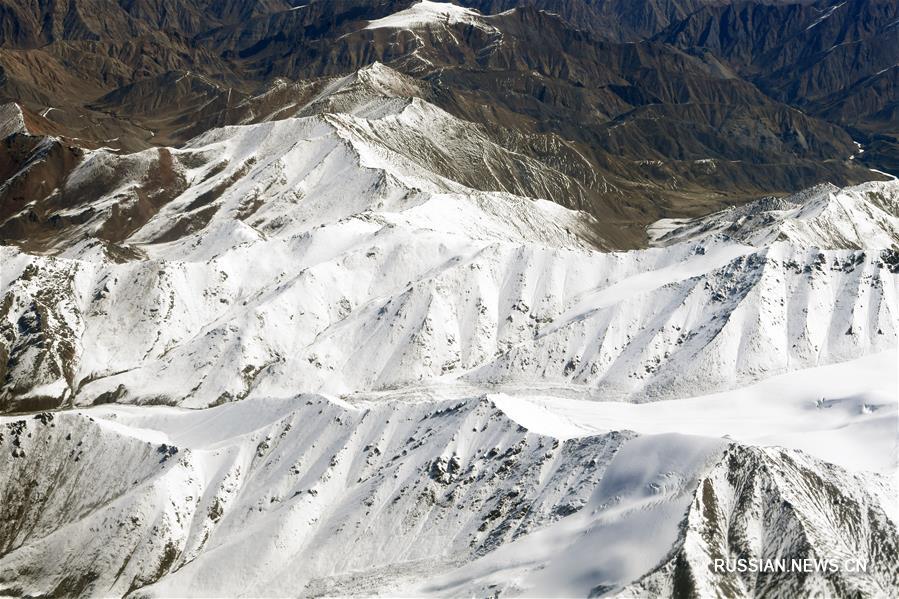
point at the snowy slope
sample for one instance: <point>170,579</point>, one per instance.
<point>312,496</point>
<point>228,501</point>
<point>393,331</point>
<point>672,504</point>
<point>766,312</point>
<point>318,254</point>
<point>843,413</point>
<point>426,14</point>
<point>371,92</point>
<point>864,216</point>
<point>366,306</point>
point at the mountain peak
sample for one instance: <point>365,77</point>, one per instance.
<point>425,14</point>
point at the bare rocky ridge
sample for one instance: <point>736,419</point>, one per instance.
<point>832,59</point>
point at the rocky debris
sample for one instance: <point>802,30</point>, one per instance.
<point>44,418</point>
<point>16,429</point>
<point>445,470</point>
<point>166,452</point>
<point>891,260</point>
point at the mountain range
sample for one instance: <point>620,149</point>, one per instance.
<point>394,298</point>
<point>680,112</point>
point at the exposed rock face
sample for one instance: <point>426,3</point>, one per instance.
<point>835,60</point>
<point>769,505</point>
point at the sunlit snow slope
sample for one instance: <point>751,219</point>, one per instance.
<point>326,254</point>
<point>412,386</point>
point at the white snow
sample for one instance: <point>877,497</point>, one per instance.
<point>427,13</point>
<point>824,217</point>
<point>624,531</point>
<point>843,413</point>
<point>401,365</point>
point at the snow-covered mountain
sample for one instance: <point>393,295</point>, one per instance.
<point>825,217</point>
<point>436,497</point>
<point>302,257</point>
<point>292,482</point>
<point>368,297</point>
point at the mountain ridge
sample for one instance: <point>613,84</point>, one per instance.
<point>401,298</point>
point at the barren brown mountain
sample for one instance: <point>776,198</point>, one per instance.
<point>645,109</point>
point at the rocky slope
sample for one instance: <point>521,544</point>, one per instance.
<point>832,59</point>
<point>772,504</point>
